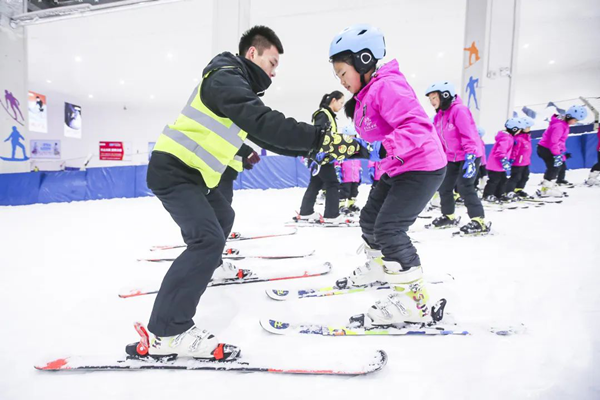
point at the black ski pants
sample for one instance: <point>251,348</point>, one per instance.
<point>496,184</point>
<point>205,218</point>
<point>392,207</point>
<point>552,172</point>
<point>466,190</point>
<point>348,190</point>
<point>326,179</point>
<point>518,178</point>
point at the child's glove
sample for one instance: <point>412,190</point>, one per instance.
<point>469,166</point>
<point>506,164</point>
<point>558,161</point>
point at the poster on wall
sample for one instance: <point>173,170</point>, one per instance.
<point>38,116</point>
<point>47,149</point>
<point>115,151</point>
<point>150,148</point>
<point>72,120</point>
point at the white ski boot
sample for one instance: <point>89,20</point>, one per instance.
<point>228,271</point>
<point>408,302</point>
<point>593,179</point>
<point>310,218</point>
<point>549,189</point>
<point>370,272</point>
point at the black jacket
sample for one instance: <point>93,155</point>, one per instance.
<point>234,93</point>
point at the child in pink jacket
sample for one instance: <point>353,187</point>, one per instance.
<point>520,160</point>
<point>553,147</point>
<point>463,147</point>
<point>594,178</point>
<point>385,111</point>
<point>498,163</point>
<point>350,172</point>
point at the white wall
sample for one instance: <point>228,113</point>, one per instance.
<point>105,121</point>
<point>160,51</point>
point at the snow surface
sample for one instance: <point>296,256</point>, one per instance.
<point>62,265</point>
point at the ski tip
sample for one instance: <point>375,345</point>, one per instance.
<point>274,326</point>
<point>278,294</point>
<point>56,365</point>
<point>381,359</point>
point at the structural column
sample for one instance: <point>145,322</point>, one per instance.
<point>230,19</point>
<point>490,59</point>
<point>14,136</point>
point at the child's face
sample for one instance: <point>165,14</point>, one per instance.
<point>336,105</point>
<point>349,78</point>
<point>434,99</point>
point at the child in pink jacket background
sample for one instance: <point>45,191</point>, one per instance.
<point>520,161</point>
<point>385,111</point>
<point>464,149</point>
<point>553,147</point>
<point>498,163</point>
<point>349,175</point>
<point>594,178</point>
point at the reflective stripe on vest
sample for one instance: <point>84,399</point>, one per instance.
<point>203,140</point>
<point>237,164</point>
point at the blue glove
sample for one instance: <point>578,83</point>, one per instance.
<point>469,166</point>
<point>374,149</point>
<point>558,161</point>
<point>507,165</point>
<point>338,172</point>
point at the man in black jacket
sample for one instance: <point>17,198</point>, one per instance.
<point>186,165</point>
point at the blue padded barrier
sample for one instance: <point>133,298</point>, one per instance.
<point>272,172</point>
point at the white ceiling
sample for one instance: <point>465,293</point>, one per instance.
<point>425,36</point>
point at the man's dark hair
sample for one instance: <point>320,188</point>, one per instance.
<point>260,37</point>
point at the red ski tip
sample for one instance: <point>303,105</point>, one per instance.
<point>55,365</point>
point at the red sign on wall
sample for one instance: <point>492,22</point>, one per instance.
<point>114,151</point>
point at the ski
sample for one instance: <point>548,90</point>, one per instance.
<point>364,366</point>
<point>225,358</point>
<point>328,291</point>
<point>348,223</point>
<point>233,237</point>
<point>234,254</point>
<point>408,329</point>
<point>246,277</point>
<point>473,234</point>
<point>543,200</point>
<point>439,228</point>
<point>285,328</point>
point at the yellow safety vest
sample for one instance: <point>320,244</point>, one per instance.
<point>202,140</point>
<point>329,116</point>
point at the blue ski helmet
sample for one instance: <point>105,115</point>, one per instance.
<point>515,124</point>
<point>442,87</point>
<point>528,122</point>
<point>577,112</point>
<point>364,41</point>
